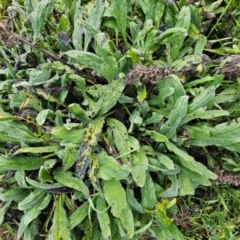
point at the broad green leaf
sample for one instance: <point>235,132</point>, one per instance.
<point>119,10</point>
<point>166,161</point>
<point>70,156</point>
<point>20,177</point>
<point>183,21</point>
<point>44,185</point>
<point>90,139</point>
<point>189,162</point>
<point>155,10</point>
<point>94,19</point>
<point>185,185</point>
<point>79,112</point>
<point>174,82</point>
<point>127,221</point>
<point>155,118</point>
<point>35,211</point>
<point>135,119</point>
<point>71,138</point>
<point>193,115</point>
<point>121,139</point>
<point>78,215</point>
<point>227,95</point>
<point>148,193</point>
<point>109,168</point>
<point>168,36</point>
<point>20,163</point>
<point>223,134</point>
<point>200,45</point>
<point>86,58</point>
<point>164,92</point>
<point>37,18</point>
<point>103,219</point>
<point>19,131</point>
<point>68,180</point>
<point>42,116</point>
<point>60,225</point>
<point>210,114</point>
<point>115,199</point>
<point>196,178</point>
<point>37,77</point>
<point>202,99</point>
<point>77,34</point>
<point>51,148</point>
<point>3,210</point>
<point>173,190</point>
<point>178,112</point>
<point>135,205</point>
<point>32,199</point>
<point>15,194</point>
<point>157,136</point>
<point>139,167</point>
<point>109,96</point>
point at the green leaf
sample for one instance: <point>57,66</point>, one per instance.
<point>109,168</point>
<point>51,148</point>
<point>68,180</point>
<point>71,138</point>
<point>77,34</point>
<point>37,77</point>
<point>78,215</point>
<point>202,99</point>
<point>166,161</point>
<point>155,11</point>
<point>135,205</point>
<point>37,18</point>
<point>189,162</point>
<point>94,19</point>
<point>223,134</point>
<point>86,58</point>
<point>60,226</point>
<point>44,185</point>
<point>116,199</point>
<point>186,187</point>
<point>15,194</point>
<point>173,190</point>
<point>32,199</point>
<point>119,10</point>
<point>70,156</point>
<point>178,112</point>
<point>3,210</point>
<point>139,167</point>
<point>148,193</point>
<point>157,136</point>
<point>127,221</point>
<point>42,116</point>
<point>210,114</point>
<point>19,131</point>
<point>183,21</point>
<point>200,45</point>
<point>35,211</point>
<point>79,112</point>
<point>20,163</point>
<point>121,139</point>
<point>103,218</point>
<point>109,96</point>
<point>174,82</point>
